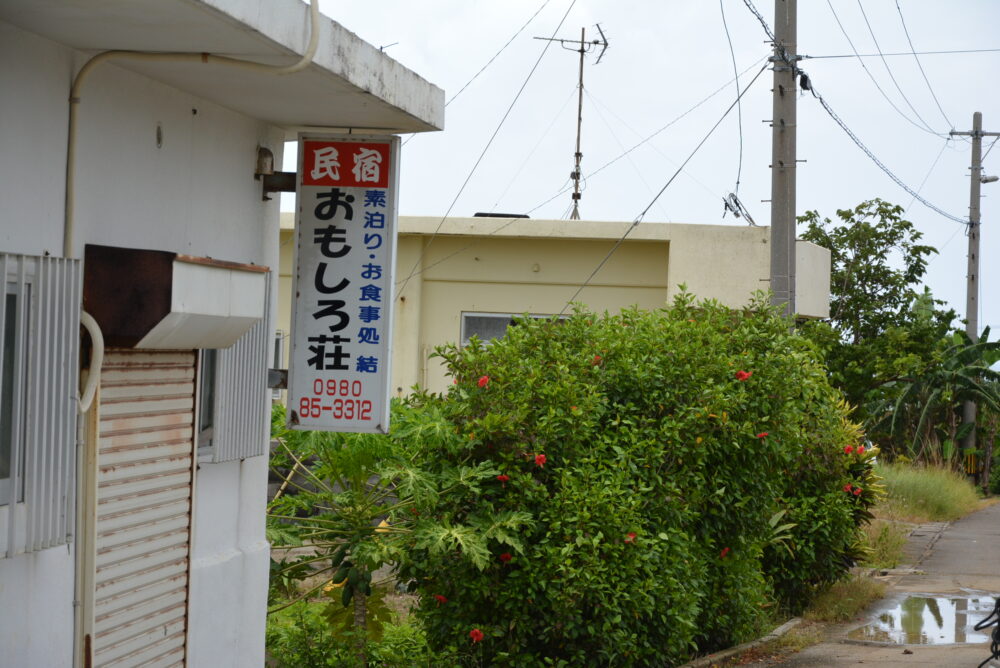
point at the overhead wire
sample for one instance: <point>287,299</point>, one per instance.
<point>739,106</point>
<point>888,69</point>
<point>990,148</point>
<point>536,145</point>
<point>909,41</point>
<point>783,54</point>
<point>662,153</point>
<point>487,147</point>
<point>489,62</point>
<point>901,53</point>
<point>642,214</point>
<point>621,146</point>
<point>871,76</point>
<point>565,188</point>
<point>928,174</point>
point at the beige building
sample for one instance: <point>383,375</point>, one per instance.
<point>462,276</point>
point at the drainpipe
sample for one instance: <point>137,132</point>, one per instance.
<point>74,98</point>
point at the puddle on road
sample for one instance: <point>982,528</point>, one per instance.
<point>930,620</point>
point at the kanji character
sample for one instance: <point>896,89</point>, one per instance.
<point>375,198</point>
<point>371,293</point>
<point>366,165</point>
<point>325,163</point>
<point>369,313</point>
<point>374,220</point>
<point>366,364</point>
<point>368,335</point>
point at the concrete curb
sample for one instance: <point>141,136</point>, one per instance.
<point>709,659</point>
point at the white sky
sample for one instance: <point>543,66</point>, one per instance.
<point>664,57</point>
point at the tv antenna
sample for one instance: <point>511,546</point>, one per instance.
<point>583,47</point>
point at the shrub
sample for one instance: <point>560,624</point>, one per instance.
<point>656,453</point>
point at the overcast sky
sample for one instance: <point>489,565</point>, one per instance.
<point>665,56</point>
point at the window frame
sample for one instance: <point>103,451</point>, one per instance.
<point>466,335</point>
<point>18,389</point>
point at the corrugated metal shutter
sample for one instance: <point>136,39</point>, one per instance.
<point>242,399</point>
<point>143,523</point>
<point>44,418</point>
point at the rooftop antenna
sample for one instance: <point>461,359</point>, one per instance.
<point>583,47</point>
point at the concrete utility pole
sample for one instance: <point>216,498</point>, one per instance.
<point>972,275</point>
<point>584,48</point>
<point>783,124</point>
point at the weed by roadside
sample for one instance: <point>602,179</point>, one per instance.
<point>845,600</point>
<point>925,494</point>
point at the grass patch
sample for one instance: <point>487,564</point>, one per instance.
<point>885,541</point>
<point>844,600</point>
<point>925,494</point>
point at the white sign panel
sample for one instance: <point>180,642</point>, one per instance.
<point>338,375</point>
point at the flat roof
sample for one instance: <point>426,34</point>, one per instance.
<point>349,85</point>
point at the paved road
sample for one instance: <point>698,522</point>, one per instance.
<point>951,559</point>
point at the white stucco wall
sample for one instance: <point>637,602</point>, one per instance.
<point>226,626</point>
<point>194,194</point>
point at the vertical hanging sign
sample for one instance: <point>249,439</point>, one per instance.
<point>338,376</point>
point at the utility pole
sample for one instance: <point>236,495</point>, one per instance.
<point>584,48</point>
<point>783,128</point>
<point>972,274</point>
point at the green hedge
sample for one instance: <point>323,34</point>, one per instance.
<point>661,456</point>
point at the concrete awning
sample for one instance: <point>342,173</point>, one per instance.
<point>350,84</point>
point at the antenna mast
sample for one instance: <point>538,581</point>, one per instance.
<point>584,47</point>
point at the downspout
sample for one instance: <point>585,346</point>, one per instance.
<point>78,80</point>
<point>87,430</point>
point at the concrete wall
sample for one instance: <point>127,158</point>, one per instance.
<point>536,266</point>
<point>194,193</point>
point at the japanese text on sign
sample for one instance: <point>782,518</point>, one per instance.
<point>345,257</point>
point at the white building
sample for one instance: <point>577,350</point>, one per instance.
<point>133,533</point>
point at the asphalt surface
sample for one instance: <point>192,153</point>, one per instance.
<point>960,559</point>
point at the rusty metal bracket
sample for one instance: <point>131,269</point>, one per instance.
<point>283,182</point>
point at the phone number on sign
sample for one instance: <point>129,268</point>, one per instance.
<point>345,404</point>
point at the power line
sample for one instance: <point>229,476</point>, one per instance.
<point>490,61</point>
<point>621,146</point>
<point>889,70</point>
<point>843,126</point>
<point>990,148</point>
<point>565,189</point>
<point>903,53</point>
<point>924,74</point>
<point>638,219</point>
<point>537,144</point>
<point>739,106</point>
<point>928,174</point>
<point>486,148</point>
<point>872,77</point>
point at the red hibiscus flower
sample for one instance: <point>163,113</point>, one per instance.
<point>857,491</point>
<point>484,381</point>
<point>504,479</point>
<point>597,360</point>
<point>762,434</point>
<point>743,375</point>
<point>724,553</point>
<point>848,488</point>
<point>454,381</point>
<point>848,449</point>
<point>630,537</point>
<point>476,635</point>
<point>506,557</point>
<point>861,449</point>
<point>540,461</point>
<point>440,599</point>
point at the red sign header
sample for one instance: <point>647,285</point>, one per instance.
<point>345,164</point>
